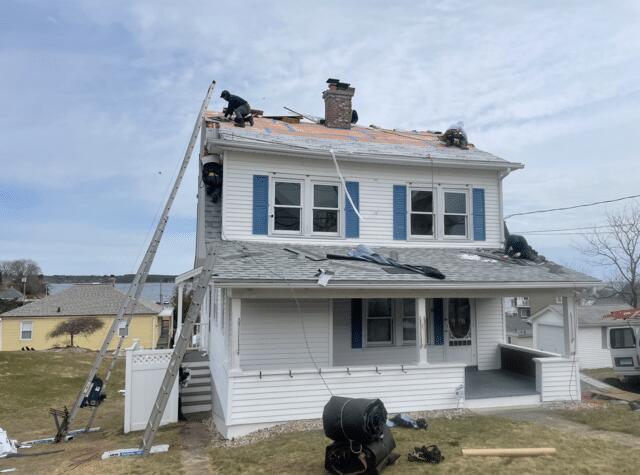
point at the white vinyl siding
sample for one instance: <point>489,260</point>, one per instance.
<point>26,330</point>
<point>557,379</point>
<point>376,195</point>
<point>590,351</point>
<point>275,334</point>
<point>489,332</point>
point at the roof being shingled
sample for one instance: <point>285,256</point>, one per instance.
<point>357,140</point>
<point>592,315</point>
<point>81,300</point>
<point>281,264</point>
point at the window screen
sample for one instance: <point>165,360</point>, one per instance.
<point>287,206</point>
<point>455,213</point>
<point>326,208</point>
<point>26,330</point>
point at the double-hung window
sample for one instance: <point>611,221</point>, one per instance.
<point>408,321</point>
<point>422,213</point>
<point>456,213</point>
<point>379,322</point>
<point>287,207</point>
<point>26,330</point>
<point>326,208</point>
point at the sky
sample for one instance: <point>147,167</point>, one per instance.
<point>98,99</point>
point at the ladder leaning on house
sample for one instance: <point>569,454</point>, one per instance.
<point>125,313</point>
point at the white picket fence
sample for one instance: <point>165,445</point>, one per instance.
<point>144,372</point>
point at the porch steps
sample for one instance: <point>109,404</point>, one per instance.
<point>196,397</point>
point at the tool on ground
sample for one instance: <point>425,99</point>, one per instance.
<point>426,454</point>
<point>523,452</point>
<point>125,313</point>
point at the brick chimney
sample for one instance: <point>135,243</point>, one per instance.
<point>337,104</point>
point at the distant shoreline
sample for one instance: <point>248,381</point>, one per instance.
<point>120,279</point>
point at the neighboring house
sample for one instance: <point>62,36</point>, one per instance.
<point>519,331</point>
<point>593,346</point>
<point>518,306</point>
<point>279,342</point>
<point>11,294</point>
<point>30,324</point>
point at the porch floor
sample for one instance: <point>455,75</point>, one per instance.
<point>497,383</point>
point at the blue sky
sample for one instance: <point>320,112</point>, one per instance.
<point>98,99</point>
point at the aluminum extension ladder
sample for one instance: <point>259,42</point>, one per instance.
<point>126,311</point>
<point>179,351</point>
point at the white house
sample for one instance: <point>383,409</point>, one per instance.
<point>593,346</point>
<point>280,338</point>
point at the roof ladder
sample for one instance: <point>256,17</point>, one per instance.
<point>126,311</point>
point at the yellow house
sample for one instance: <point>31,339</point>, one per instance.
<point>30,325</point>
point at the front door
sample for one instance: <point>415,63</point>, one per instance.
<point>459,331</point>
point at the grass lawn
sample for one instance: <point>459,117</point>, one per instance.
<point>31,383</point>
<point>612,417</point>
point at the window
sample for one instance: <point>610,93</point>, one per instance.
<point>455,213</point>
<point>422,222</point>
<point>559,300</point>
<point>326,208</point>
<point>379,322</point>
<point>622,338</point>
<point>26,330</point>
<point>287,207</point>
<point>408,321</point>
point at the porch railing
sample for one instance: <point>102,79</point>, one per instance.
<point>520,359</point>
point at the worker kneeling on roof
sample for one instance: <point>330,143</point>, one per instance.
<point>238,108</point>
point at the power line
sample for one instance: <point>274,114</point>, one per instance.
<point>572,207</point>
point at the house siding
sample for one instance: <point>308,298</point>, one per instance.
<point>273,334</point>
<point>590,351</point>
<point>557,379</point>
<point>376,183</point>
<point>489,332</point>
<point>145,328</point>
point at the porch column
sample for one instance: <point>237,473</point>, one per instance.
<point>421,330</point>
<point>179,319</point>
<point>570,323</point>
<point>234,329</point>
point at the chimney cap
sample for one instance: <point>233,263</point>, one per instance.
<point>337,83</point>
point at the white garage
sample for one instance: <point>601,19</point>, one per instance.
<point>592,345</point>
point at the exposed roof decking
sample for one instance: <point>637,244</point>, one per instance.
<point>269,263</point>
<point>355,141</point>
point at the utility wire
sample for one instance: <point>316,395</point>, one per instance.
<point>572,207</point>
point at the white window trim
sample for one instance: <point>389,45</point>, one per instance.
<point>22,322</point>
<point>365,319</point>
<point>312,207</point>
<point>453,189</point>
<point>306,206</point>
<point>401,318</point>
<point>434,213</point>
<point>273,206</point>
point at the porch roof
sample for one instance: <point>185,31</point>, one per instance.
<point>249,264</point>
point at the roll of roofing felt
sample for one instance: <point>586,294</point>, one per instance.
<point>357,420</point>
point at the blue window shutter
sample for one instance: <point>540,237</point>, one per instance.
<point>479,233</point>
<point>438,322</point>
<point>356,323</point>
<point>351,220</point>
<point>399,212</point>
<point>260,204</point>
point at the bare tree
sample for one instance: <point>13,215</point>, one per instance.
<point>14,271</point>
<point>76,326</point>
<point>617,247</point>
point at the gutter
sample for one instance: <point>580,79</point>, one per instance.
<point>215,145</point>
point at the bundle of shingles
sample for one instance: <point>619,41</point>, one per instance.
<point>362,442</point>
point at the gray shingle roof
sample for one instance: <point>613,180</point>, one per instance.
<point>269,262</point>
<point>10,294</point>
<point>81,300</point>
<point>592,315</point>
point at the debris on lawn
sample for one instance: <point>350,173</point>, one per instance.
<point>523,452</point>
<point>426,454</point>
<point>405,420</point>
<point>7,446</point>
<point>156,449</point>
<point>362,442</point>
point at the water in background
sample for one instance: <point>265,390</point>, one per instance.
<point>150,292</point>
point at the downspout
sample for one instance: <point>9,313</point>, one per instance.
<point>501,176</point>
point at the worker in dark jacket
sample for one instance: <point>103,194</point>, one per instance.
<point>237,107</point>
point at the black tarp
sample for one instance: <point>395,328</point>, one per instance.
<point>350,458</point>
<point>359,420</point>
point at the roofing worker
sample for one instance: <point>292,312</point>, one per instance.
<point>238,107</point>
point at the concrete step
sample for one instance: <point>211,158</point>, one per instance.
<point>205,372</point>
<point>196,408</point>
<point>201,388</point>
<point>200,381</point>
<point>195,364</point>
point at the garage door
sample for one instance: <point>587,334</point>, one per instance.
<point>550,338</point>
